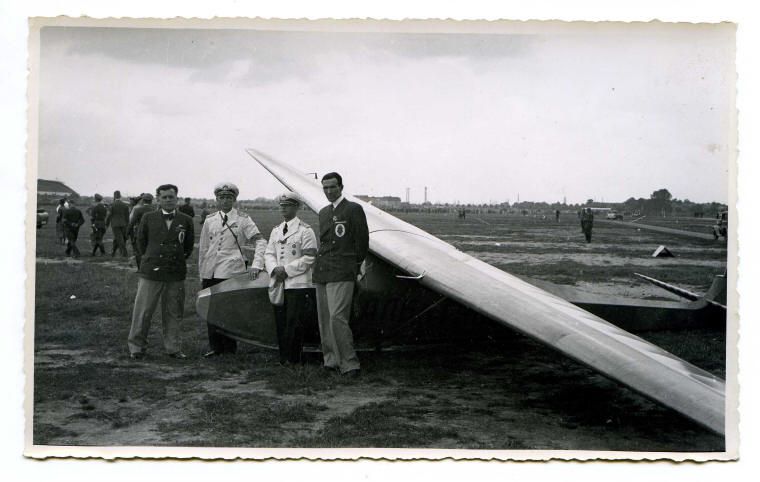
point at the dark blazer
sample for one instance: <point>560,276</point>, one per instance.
<point>187,209</point>
<point>136,217</point>
<point>98,216</point>
<point>72,217</point>
<point>163,250</point>
<point>343,242</point>
<point>119,215</point>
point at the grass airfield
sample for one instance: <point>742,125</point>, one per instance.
<point>515,394</point>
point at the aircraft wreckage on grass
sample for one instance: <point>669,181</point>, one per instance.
<point>417,289</point>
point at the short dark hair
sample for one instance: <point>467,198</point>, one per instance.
<point>333,175</point>
<point>166,187</point>
<point>117,194</point>
<point>98,197</point>
<point>187,199</point>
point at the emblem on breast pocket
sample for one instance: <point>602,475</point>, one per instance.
<point>340,230</point>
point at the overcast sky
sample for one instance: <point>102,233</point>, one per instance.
<point>596,113</point>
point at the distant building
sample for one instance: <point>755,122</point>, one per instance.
<point>391,202</point>
<point>52,191</point>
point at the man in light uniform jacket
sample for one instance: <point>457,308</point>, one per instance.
<point>221,256</point>
<point>343,245</point>
<point>289,257</point>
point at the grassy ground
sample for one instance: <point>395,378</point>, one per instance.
<point>513,395</point>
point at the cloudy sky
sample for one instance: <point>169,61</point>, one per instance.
<point>602,112</point>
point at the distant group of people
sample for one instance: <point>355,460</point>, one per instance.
<point>122,219</point>
<point>309,280</point>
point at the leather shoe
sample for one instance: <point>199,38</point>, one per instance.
<point>179,355</point>
<point>211,354</point>
<point>138,355</point>
<point>355,373</point>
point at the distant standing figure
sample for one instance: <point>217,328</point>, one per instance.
<point>59,232</point>
<point>187,208</point>
<point>289,257</point>
<point>204,211</point>
<point>73,219</point>
<point>344,242</point>
<point>165,239</point>
<point>721,225</point>
<point>98,215</point>
<point>118,218</point>
<point>144,205</point>
<point>587,223</point>
<point>221,257</point>
<point>556,215</point>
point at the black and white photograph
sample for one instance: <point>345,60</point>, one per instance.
<point>405,239</point>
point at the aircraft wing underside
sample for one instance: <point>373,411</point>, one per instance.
<point>517,304</point>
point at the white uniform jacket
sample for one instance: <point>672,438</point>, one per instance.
<point>219,255</point>
<point>296,251</point>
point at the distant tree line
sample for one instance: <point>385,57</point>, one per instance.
<point>662,203</point>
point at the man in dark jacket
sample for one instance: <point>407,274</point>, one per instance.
<point>98,215</point>
<point>72,221</point>
<point>587,223</point>
<point>165,240</point>
<point>344,241</point>
<point>118,218</point>
<point>144,205</point>
<point>187,208</point>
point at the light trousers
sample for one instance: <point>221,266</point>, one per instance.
<point>334,310</point>
<point>149,293</point>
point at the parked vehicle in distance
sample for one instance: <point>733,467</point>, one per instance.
<point>42,218</point>
<point>614,215</point>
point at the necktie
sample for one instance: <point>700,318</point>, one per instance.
<point>285,229</point>
<point>168,217</point>
<point>224,219</point>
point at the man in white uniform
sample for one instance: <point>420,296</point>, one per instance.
<point>221,256</point>
<point>289,257</point>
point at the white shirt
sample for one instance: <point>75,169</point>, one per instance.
<point>337,201</point>
<point>218,253</point>
<point>296,251</point>
<point>168,222</point>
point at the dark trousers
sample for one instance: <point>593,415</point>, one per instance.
<point>119,240</point>
<point>97,239</point>
<point>59,232</point>
<point>586,227</point>
<point>138,257</point>
<point>299,309</point>
<point>218,341</point>
<point>72,233</point>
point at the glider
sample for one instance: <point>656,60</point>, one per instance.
<point>405,259</point>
